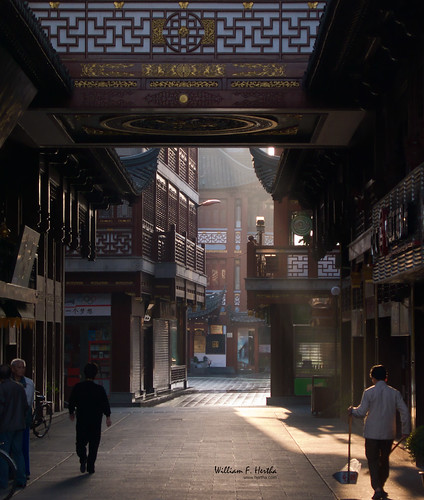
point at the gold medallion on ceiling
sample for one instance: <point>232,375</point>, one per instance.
<point>312,5</point>
<point>183,5</point>
<point>118,5</point>
<point>54,5</point>
<point>196,125</point>
<point>248,5</point>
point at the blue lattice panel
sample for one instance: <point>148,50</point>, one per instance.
<point>297,266</point>
<point>202,28</point>
<point>327,267</point>
<point>206,237</point>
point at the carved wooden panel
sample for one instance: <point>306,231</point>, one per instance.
<point>168,28</point>
<point>117,242</point>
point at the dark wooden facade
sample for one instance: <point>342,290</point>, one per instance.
<point>365,196</point>
<point>148,270</point>
<point>48,200</point>
<point>227,175</point>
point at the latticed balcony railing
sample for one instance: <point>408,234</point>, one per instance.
<point>174,247</point>
<point>289,262</point>
<point>167,246</point>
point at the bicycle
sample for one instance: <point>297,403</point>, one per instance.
<point>41,415</point>
<point>8,471</point>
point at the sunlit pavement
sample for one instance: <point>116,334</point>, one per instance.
<point>211,450</point>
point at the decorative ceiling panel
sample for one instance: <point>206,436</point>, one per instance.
<point>164,28</point>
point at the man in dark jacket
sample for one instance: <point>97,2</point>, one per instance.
<point>13,409</point>
<point>91,403</point>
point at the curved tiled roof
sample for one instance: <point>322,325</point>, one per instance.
<point>22,35</point>
<point>266,168</point>
<point>213,301</point>
<point>142,167</point>
<point>225,168</point>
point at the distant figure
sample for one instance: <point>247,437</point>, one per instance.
<point>91,403</point>
<point>18,367</point>
<point>379,404</point>
<point>13,410</point>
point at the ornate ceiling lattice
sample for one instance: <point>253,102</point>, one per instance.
<point>206,28</point>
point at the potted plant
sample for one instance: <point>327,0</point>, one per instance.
<point>415,446</point>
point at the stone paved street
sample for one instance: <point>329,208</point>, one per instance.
<point>224,391</point>
<point>215,451</point>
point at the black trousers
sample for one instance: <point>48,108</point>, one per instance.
<point>377,452</point>
<point>88,433</point>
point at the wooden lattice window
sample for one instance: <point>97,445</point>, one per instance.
<point>163,155</point>
<point>172,206</point>
<point>148,220</point>
<point>192,221</point>
<point>161,204</point>
<point>183,164</point>
<point>183,216</point>
<point>192,168</point>
<point>172,159</point>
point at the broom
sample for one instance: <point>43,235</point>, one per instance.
<point>349,473</point>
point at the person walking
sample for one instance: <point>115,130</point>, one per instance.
<point>18,367</point>
<point>91,403</point>
<point>379,405</point>
<point>13,410</point>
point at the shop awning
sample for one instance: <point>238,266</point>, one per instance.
<point>16,314</point>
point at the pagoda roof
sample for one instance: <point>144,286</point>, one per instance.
<point>221,168</point>
<point>23,37</point>
<point>213,301</point>
<point>266,168</point>
<point>142,167</point>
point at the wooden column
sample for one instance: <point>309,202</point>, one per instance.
<point>282,362</point>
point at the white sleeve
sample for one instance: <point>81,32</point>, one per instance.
<point>29,391</point>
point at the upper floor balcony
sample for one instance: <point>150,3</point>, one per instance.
<point>174,248</point>
<point>274,273</point>
<point>161,254</point>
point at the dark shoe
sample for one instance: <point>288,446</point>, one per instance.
<point>90,469</point>
<point>21,486</point>
<point>379,495</point>
<point>82,467</point>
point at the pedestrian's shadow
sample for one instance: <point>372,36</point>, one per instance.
<point>60,486</point>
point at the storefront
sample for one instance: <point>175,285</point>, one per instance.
<point>88,337</point>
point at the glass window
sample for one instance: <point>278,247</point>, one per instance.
<point>237,214</point>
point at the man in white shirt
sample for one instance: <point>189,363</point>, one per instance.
<point>379,405</point>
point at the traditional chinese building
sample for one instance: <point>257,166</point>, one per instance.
<point>230,338</point>
<point>127,310</point>
<point>48,200</point>
<point>365,198</point>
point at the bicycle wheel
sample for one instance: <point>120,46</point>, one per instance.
<point>42,420</point>
<point>7,476</point>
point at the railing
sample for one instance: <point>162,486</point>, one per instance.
<point>178,373</point>
<point>174,247</point>
<point>289,262</point>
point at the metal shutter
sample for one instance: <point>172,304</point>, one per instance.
<point>161,354</point>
